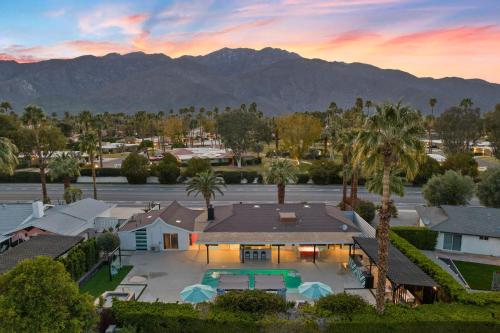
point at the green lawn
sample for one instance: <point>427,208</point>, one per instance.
<point>100,282</point>
<point>478,276</point>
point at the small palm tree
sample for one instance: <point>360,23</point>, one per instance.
<point>207,184</point>
<point>8,156</point>
<point>390,141</point>
<point>65,166</point>
<point>281,172</point>
<point>88,144</point>
<point>72,194</point>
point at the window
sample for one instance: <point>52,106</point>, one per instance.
<point>170,241</point>
<point>452,242</point>
<point>484,237</point>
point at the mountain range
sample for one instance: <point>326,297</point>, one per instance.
<point>277,80</point>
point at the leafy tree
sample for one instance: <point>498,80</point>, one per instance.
<point>174,129</point>
<point>168,169</point>
<point>239,130</point>
<point>463,163</point>
<point>206,184</point>
<point>488,189</point>
<point>389,141</point>
<point>428,167</point>
<point>38,295</point>
<point>136,168</point>
<point>88,144</point>
<point>492,127</point>
<point>145,146</point>
<point>298,132</point>
<point>281,172</point>
<point>44,140</point>
<point>65,166</point>
<point>451,188</point>
<point>458,127</point>
<point>197,165</point>
<point>72,194</point>
<point>5,107</point>
<point>324,172</point>
<point>8,156</point>
<point>107,241</point>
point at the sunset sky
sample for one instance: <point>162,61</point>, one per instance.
<point>434,38</point>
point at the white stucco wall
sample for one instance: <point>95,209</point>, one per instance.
<point>127,240</point>
<point>155,233</point>
<point>472,244</point>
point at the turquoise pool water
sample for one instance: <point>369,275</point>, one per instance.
<point>291,276</point>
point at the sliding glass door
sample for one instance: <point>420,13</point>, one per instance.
<point>452,242</point>
<point>170,241</point>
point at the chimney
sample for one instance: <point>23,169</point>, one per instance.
<point>287,217</point>
<point>210,213</point>
<point>37,209</point>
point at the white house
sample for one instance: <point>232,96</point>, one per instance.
<point>464,229</point>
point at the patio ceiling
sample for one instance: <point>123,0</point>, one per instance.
<point>276,238</point>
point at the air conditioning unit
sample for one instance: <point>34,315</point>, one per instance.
<point>155,248</point>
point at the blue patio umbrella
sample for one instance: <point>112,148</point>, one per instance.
<point>314,290</point>
<point>198,293</point>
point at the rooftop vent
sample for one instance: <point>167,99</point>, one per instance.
<point>178,221</point>
<point>307,206</point>
<point>288,217</point>
<point>256,206</point>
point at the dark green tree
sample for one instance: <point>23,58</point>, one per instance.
<point>451,188</point>
<point>136,168</point>
<point>463,163</point>
<point>107,242</point>
<point>492,128</point>
<point>196,165</point>
<point>488,189</point>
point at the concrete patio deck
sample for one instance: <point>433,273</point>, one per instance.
<point>167,273</point>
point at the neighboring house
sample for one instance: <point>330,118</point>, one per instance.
<point>464,229</point>
<point>12,215</point>
<point>53,246</point>
<point>242,225</point>
<point>81,218</point>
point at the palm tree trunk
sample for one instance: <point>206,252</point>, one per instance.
<point>207,202</point>
<point>383,238</point>
<point>100,148</point>
<point>281,194</point>
<point>93,177</point>
<point>43,181</point>
<point>354,185</point>
<point>430,140</point>
<point>67,182</point>
<point>344,180</point>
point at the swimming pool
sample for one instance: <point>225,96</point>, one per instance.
<point>291,277</point>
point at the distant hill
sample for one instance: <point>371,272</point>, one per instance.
<point>279,81</point>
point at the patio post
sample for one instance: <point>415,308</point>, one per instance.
<point>314,253</point>
<point>242,254</point>
<point>208,254</point>
<point>279,253</point>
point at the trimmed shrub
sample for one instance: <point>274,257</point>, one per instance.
<point>168,169</point>
<point>344,305</point>
<point>325,172</point>
<point>450,290</point>
<point>196,165</point>
<point>107,241</point>
<point>420,237</point>
<point>26,177</point>
<point>102,172</point>
<point>251,301</point>
<point>136,168</point>
<point>235,177</point>
<point>302,178</point>
<point>81,258</point>
<point>365,209</point>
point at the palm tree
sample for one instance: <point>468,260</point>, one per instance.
<point>88,144</point>
<point>99,124</point>
<point>65,166</point>
<point>389,141</point>
<point>466,103</point>
<point>72,194</point>
<point>5,107</point>
<point>281,172</point>
<point>368,105</point>
<point>205,183</point>
<point>8,156</point>
<point>429,121</point>
<point>85,118</point>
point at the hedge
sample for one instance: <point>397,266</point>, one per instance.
<point>235,177</point>
<point>420,237</point>
<point>81,258</point>
<point>102,172</point>
<point>450,289</point>
<point>26,177</point>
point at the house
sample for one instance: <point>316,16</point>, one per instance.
<point>464,229</point>
<point>12,215</point>
<point>53,246</point>
<point>81,218</point>
<point>249,228</point>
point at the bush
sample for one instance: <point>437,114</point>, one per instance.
<point>428,168</point>
<point>235,177</point>
<point>344,305</point>
<point>365,209</point>
<point>107,241</point>
<point>449,189</point>
<point>488,189</point>
<point>26,177</point>
<point>463,163</point>
<point>251,301</point>
<point>168,169</point>
<point>136,168</point>
<point>196,165</point>
<point>81,258</point>
<point>302,178</point>
<point>325,172</point>
<point>102,172</point>
<point>450,289</point>
<point>420,237</point>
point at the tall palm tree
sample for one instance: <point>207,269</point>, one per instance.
<point>88,144</point>
<point>430,120</point>
<point>389,141</point>
<point>281,172</point>
<point>85,119</point>
<point>98,123</point>
<point>8,156</point>
<point>207,184</point>
<point>466,103</point>
<point>65,166</point>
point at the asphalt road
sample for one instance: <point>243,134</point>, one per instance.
<point>138,195</point>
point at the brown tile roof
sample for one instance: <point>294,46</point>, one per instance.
<point>52,246</point>
<point>266,218</point>
<point>174,214</point>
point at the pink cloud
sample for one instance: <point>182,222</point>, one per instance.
<point>106,17</point>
